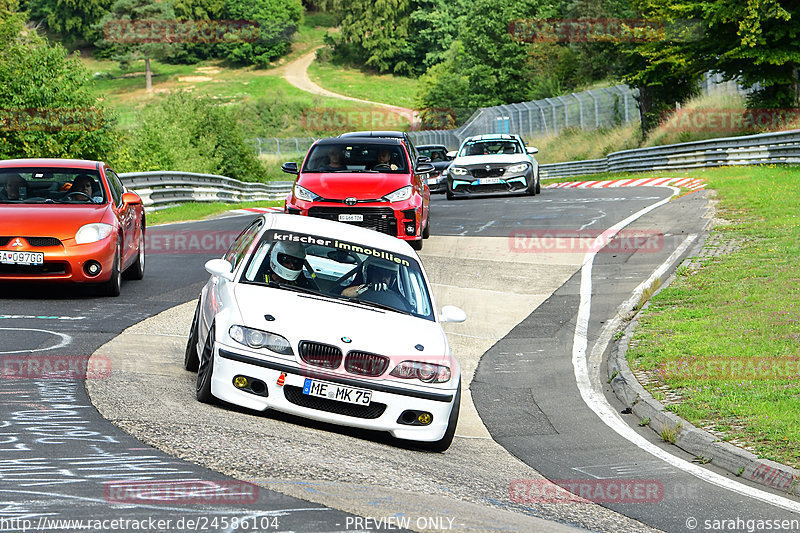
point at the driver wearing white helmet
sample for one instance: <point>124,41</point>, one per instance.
<point>286,263</point>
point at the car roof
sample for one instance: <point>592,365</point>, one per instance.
<point>426,146</point>
<point>337,230</point>
<point>387,134</point>
<point>494,137</point>
<point>51,163</point>
<point>353,139</point>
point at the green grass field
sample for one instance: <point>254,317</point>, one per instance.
<point>725,337</point>
<point>383,88</point>
<point>199,211</point>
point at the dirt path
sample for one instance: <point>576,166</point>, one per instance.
<point>296,73</point>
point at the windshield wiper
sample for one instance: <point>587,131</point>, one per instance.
<point>375,304</point>
<point>294,288</point>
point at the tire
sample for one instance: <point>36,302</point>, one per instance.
<point>113,286</point>
<point>136,270</point>
<point>447,439</point>
<point>190,358</point>
<point>531,191</point>
<point>416,245</point>
<point>427,231</point>
<point>450,195</point>
<point>538,186</point>
<point>205,370</point>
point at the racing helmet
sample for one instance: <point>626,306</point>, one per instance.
<point>286,259</point>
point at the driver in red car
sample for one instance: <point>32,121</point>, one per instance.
<point>13,187</point>
<point>384,161</point>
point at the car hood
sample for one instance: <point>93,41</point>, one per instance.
<point>315,318</point>
<point>361,185</point>
<point>48,220</point>
<point>491,159</point>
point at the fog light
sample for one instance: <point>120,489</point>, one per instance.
<point>410,229</point>
<point>92,268</point>
<point>425,418</point>
<point>240,382</point>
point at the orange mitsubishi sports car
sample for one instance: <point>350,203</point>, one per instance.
<point>65,220</point>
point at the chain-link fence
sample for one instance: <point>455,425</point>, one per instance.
<point>588,110</point>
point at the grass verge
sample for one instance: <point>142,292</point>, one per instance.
<point>384,88</point>
<point>199,211</point>
<point>725,336</point>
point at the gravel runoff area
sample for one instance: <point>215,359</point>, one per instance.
<point>151,396</point>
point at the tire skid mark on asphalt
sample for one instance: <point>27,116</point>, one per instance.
<point>587,370</point>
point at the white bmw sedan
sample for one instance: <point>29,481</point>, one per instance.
<point>331,322</point>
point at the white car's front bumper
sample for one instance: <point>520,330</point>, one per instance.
<point>289,398</point>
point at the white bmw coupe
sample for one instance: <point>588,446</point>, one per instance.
<point>331,322</point>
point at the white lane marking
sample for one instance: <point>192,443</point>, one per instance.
<point>602,215</point>
<point>490,223</point>
<point>42,317</point>
<point>591,391</point>
<point>65,340</point>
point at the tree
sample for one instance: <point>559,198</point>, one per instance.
<point>73,20</point>
<point>129,31</point>
<point>277,20</point>
<point>48,108</point>
<point>376,33</point>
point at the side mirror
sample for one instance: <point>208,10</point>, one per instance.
<point>290,168</point>
<point>423,159</point>
<point>452,154</point>
<point>131,198</point>
<point>451,313</point>
<point>220,268</point>
<point>532,150</point>
<point>425,168</point>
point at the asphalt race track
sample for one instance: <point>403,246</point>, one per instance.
<point>534,407</point>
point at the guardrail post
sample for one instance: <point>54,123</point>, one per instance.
<point>566,110</point>
<point>580,109</point>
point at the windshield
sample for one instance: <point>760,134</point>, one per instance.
<point>487,147</point>
<point>342,270</point>
<point>50,186</point>
<point>361,157</point>
<point>435,153</point>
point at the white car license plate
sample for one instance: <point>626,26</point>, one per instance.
<point>340,393</point>
<point>432,181</point>
<point>351,218</point>
<point>488,181</point>
<point>22,258</point>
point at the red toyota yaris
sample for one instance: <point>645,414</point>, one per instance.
<point>67,220</point>
<point>374,182</point>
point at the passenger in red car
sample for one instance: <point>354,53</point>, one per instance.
<point>334,160</point>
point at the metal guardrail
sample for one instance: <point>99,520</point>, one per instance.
<point>764,148</point>
<point>161,189</point>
